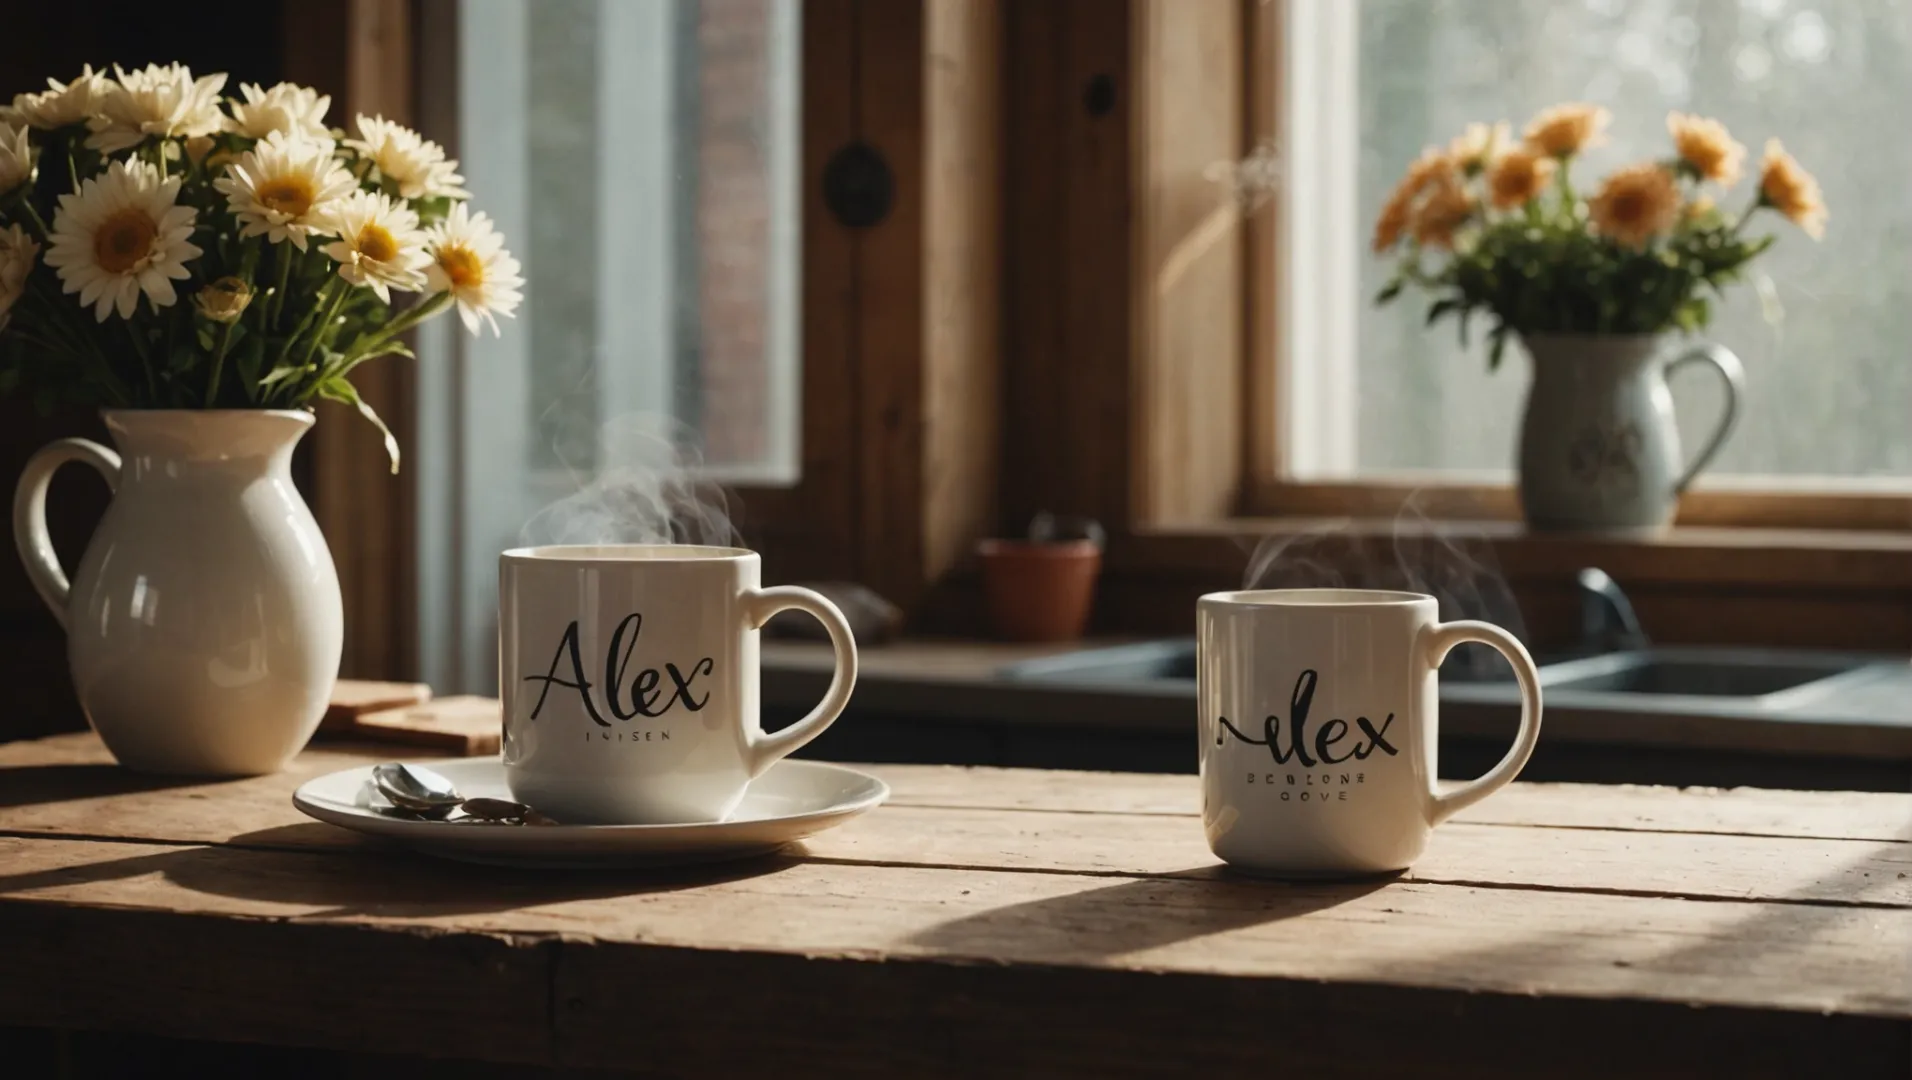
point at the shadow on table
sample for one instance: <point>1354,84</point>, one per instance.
<point>281,867</point>
<point>36,785</point>
<point>1138,915</point>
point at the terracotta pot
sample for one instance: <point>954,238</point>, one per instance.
<point>1040,591</point>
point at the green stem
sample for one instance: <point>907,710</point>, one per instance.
<point>218,365</point>
<point>1759,200</point>
<point>39,221</point>
<point>283,253</point>
<point>417,314</point>
<point>145,361</point>
<point>325,323</point>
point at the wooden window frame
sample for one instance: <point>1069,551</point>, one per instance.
<point>1271,490</point>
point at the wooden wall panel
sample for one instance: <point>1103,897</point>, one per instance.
<point>361,52</point>
<point>1068,202</point>
<point>808,531</point>
<point>1187,322</point>
<point>962,346</point>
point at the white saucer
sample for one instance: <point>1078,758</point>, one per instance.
<point>794,799</point>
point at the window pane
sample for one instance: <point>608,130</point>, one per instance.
<point>1830,386</point>
<point>651,153</point>
<point>641,157</point>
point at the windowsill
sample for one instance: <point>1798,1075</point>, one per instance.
<point>1839,559</point>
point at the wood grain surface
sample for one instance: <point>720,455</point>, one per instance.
<point>1020,921</point>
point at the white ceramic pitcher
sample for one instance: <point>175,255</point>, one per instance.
<point>204,623</point>
<point>1598,445</point>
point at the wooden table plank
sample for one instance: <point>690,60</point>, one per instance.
<point>256,813</point>
<point>37,795</point>
<point>1852,815</point>
<point>1815,958</point>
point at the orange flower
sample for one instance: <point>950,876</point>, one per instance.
<point>1705,145</point>
<point>1447,207</point>
<point>1791,190</point>
<point>1517,176</point>
<point>1392,222</point>
<point>1636,204</point>
<point>1475,148</point>
<point>1399,211</point>
<point>1565,130</point>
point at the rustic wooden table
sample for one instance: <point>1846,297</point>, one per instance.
<point>985,921</point>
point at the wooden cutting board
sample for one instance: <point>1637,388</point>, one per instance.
<point>406,713</point>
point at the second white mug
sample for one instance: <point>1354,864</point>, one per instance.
<point>1319,724</point>
<point>629,675</point>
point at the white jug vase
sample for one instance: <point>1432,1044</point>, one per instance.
<point>1598,446</point>
<point>204,622</point>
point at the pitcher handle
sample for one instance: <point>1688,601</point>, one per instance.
<point>1730,370</point>
<point>29,513</point>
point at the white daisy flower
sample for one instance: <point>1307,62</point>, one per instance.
<point>164,101</point>
<point>284,188</point>
<point>63,103</point>
<point>120,235</point>
<point>286,108</point>
<point>416,164</point>
<point>379,245</point>
<point>16,158</point>
<point>469,261</point>
<point>17,251</point>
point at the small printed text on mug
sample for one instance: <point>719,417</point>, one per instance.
<point>647,696</point>
<point>1331,745</point>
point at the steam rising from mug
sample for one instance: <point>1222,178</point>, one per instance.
<point>1450,561</point>
<point>647,488</point>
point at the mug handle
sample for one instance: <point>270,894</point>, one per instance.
<point>29,513</point>
<point>1436,641</point>
<point>1730,370</point>
<point>762,751</point>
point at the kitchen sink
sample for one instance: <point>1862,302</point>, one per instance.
<point>1711,673</point>
<point>1762,678</point>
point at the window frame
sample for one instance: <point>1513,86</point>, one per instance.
<point>1274,485</point>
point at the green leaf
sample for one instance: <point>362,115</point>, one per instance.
<point>1389,291</point>
<point>341,390</point>
<point>283,372</point>
<point>1499,338</point>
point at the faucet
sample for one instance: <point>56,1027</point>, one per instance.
<point>1607,621</point>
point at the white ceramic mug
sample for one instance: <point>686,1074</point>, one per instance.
<point>629,676</point>
<point>1320,723</point>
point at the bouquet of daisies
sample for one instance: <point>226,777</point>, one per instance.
<point>166,247</point>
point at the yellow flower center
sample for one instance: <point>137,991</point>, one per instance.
<point>289,195</point>
<point>123,240</point>
<point>376,244</point>
<point>462,266</point>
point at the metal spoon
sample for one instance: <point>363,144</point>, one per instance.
<point>416,788</point>
<point>418,792</point>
